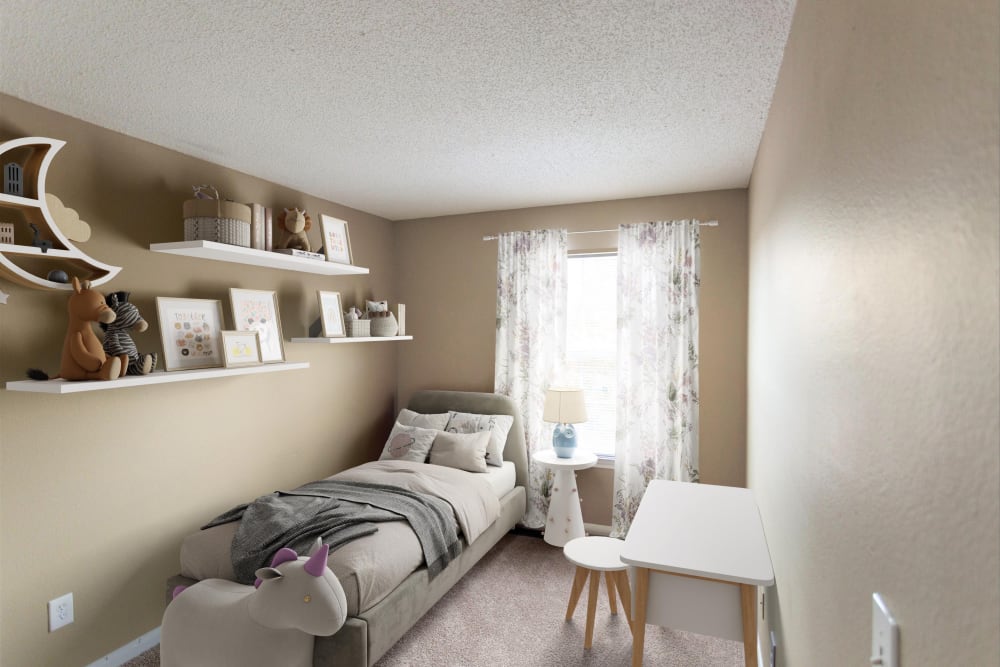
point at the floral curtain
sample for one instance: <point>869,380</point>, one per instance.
<point>657,427</point>
<point>530,343</point>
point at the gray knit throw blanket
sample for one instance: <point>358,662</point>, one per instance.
<point>336,512</point>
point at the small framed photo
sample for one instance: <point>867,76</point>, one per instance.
<point>331,314</point>
<point>257,310</point>
<point>191,332</point>
<point>336,241</point>
<point>240,348</point>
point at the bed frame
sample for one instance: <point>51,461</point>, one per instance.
<point>366,637</point>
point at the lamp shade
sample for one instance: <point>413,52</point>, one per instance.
<point>564,406</point>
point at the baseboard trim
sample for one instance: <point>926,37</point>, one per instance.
<point>597,529</point>
<point>133,649</point>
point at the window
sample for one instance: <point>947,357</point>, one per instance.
<point>592,346</point>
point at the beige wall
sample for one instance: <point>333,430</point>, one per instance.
<point>447,279</point>
<point>97,489</point>
<point>873,431</point>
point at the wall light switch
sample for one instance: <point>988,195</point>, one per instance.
<point>885,634</point>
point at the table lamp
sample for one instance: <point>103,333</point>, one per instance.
<point>565,407</point>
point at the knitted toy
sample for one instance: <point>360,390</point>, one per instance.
<point>296,223</point>
<point>117,340</point>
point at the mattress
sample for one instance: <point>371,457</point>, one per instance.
<point>363,566</point>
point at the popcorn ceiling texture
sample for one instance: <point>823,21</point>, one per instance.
<point>423,108</point>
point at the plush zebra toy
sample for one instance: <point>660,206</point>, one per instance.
<point>117,340</point>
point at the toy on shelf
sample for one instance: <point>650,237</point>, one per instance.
<point>26,162</point>
<point>83,356</point>
<point>295,223</point>
<point>118,341</point>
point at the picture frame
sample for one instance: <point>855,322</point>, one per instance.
<point>190,330</point>
<point>336,240</point>
<point>257,310</point>
<point>331,314</point>
<point>241,348</point>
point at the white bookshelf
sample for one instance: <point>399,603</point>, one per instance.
<point>223,252</point>
<point>366,339</point>
<point>156,377</point>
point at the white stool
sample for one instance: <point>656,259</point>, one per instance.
<point>593,555</point>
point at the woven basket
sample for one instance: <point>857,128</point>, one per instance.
<point>358,328</point>
<point>215,220</point>
<point>384,326</point>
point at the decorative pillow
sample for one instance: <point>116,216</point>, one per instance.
<point>408,443</point>
<point>465,451</point>
<point>411,418</point>
<point>497,425</point>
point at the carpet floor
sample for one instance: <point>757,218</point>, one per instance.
<point>509,611</point>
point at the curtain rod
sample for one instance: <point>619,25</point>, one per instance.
<point>709,223</point>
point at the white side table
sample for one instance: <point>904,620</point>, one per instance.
<point>564,521</point>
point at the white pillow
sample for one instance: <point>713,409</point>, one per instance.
<point>408,443</point>
<point>465,451</point>
<point>411,418</point>
<point>497,425</point>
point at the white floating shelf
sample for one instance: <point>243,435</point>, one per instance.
<point>157,377</point>
<point>369,339</point>
<point>224,252</point>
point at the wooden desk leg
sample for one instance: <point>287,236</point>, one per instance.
<point>639,619</point>
<point>621,581</point>
<point>748,606</point>
<point>574,596</point>
<point>595,583</point>
<point>610,582</point>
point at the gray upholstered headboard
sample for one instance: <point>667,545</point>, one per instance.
<point>429,401</point>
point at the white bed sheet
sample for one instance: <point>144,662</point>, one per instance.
<point>502,479</point>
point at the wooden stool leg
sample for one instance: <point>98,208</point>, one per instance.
<point>621,581</point>
<point>609,581</point>
<point>595,584</point>
<point>574,595</point>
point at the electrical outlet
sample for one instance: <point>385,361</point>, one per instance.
<point>60,612</point>
<point>885,634</point>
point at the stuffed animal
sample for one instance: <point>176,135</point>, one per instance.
<point>117,340</point>
<point>83,356</point>
<point>296,223</point>
<point>219,622</point>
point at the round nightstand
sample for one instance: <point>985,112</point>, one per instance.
<point>564,521</point>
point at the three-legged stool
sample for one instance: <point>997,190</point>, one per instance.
<point>593,555</point>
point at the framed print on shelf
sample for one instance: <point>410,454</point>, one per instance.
<point>336,241</point>
<point>191,332</point>
<point>240,348</point>
<point>257,310</point>
<point>331,314</point>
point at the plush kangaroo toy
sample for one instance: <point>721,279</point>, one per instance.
<point>83,356</point>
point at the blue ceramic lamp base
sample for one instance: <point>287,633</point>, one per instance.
<point>564,441</point>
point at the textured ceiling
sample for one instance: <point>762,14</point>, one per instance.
<point>414,109</point>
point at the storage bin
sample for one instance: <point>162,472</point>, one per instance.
<point>384,326</point>
<point>219,221</point>
<point>358,328</point>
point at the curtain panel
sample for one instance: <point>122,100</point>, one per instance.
<point>530,341</point>
<point>657,424</point>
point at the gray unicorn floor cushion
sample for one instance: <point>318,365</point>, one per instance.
<point>219,623</point>
<point>117,340</point>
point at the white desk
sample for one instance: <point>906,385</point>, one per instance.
<point>564,521</point>
<point>699,554</point>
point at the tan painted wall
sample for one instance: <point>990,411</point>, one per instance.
<point>97,489</point>
<point>447,279</point>
<point>873,366</point>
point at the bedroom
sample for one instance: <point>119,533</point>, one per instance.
<point>869,143</point>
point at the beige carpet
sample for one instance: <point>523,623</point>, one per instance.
<point>508,611</point>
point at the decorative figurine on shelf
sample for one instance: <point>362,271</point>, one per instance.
<point>296,223</point>
<point>117,340</point>
<point>38,241</point>
<point>83,356</point>
<point>13,179</point>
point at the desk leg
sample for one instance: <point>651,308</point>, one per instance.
<point>748,605</point>
<point>639,619</point>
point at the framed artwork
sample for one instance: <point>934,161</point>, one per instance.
<point>331,314</point>
<point>191,332</point>
<point>257,310</point>
<point>336,241</point>
<point>240,348</point>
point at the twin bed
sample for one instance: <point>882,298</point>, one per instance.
<point>384,574</point>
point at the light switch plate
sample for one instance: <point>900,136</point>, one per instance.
<point>885,634</point>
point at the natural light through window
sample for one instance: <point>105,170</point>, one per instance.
<point>592,346</point>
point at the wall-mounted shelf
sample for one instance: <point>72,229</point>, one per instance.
<point>223,252</point>
<point>157,377</point>
<point>369,339</point>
